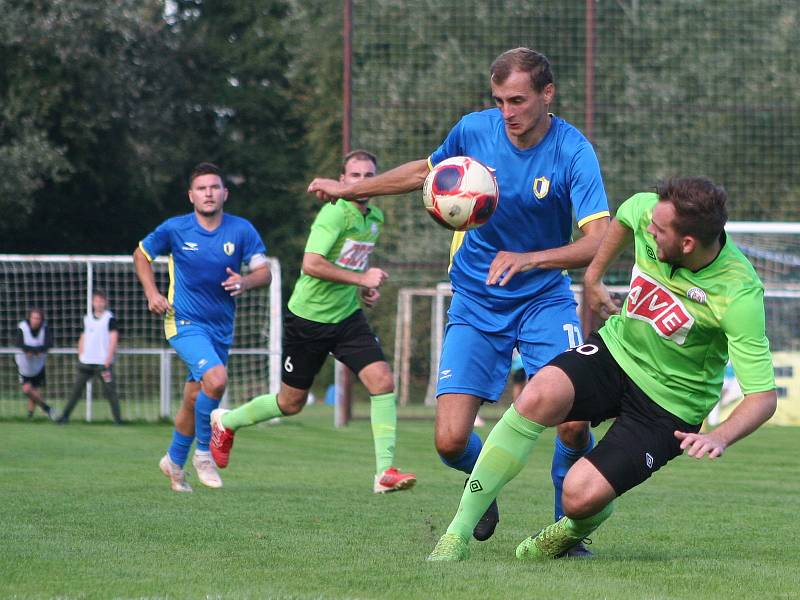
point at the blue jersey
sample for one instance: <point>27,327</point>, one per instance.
<point>197,262</point>
<point>540,189</point>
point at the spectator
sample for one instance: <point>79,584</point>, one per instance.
<point>96,349</point>
<point>34,339</point>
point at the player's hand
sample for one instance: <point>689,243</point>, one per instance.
<point>373,278</point>
<point>599,300</point>
<point>370,296</point>
<point>700,444</point>
<point>507,264</point>
<point>235,284</point>
<point>327,190</point>
<point>158,304</point>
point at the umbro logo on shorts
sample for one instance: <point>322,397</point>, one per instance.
<point>648,459</point>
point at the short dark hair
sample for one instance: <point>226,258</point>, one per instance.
<point>36,309</point>
<point>700,206</point>
<point>101,293</point>
<point>360,155</point>
<point>206,168</point>
<point>524,60</point>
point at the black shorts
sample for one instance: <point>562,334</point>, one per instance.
<point>642,438</point>
<point>306,344</point>
<point>37,381</point>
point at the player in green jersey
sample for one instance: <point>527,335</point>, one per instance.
<point>325,317</point>
<point>657,366</point>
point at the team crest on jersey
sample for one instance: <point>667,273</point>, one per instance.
<point>228,247</point>
<point>541,185</point>
<point>653,303</point>
<point>697,295</point>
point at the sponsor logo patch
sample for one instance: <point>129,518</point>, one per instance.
<point>192,246</point>
<point>651,302</point>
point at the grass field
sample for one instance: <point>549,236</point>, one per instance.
<point>86,514</point>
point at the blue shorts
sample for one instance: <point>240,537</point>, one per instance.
<point>478,362</point>
<point>198,350</point>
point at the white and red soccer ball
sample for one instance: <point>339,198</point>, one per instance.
<point>460,193</point>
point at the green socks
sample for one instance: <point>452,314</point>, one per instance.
<point>383,414</point>
<point>260,408</point>
<point>504,453</point>
<point>580,528</point>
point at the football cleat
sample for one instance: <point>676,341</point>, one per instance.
<point>554,541</point>
<point>450,547</point>
<point>206,469</point>
<point>392,480</point>
<point>221,439</point>
<point>177,476</point>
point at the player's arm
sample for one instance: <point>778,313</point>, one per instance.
<point>156,302</point>
<point>237,284</point>
<point>403,179</point>
<point>751,413</point>
<point>618,237</point>
<point>572,256</point>
<point>320,267</point>
<point>113,340</point>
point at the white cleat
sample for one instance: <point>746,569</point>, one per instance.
<point>206,469</point>
<point>177,476</point>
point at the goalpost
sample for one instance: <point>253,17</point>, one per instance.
<point>149,377</point>
<point>774,250</point>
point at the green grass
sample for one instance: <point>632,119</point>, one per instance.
<point>85,513</point>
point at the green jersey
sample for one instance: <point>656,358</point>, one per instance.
<point>677,327</point>
<point>345,237</point>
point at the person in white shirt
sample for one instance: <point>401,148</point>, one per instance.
<point>34,339</point>
<point>96,349</point>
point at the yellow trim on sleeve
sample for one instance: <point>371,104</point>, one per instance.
<point>170,327</point>
<point>593,217</point>
<point>146,255</point>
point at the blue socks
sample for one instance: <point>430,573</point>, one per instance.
<point>466,461</point>
<point>203,406</point>
<point>179,448</point>
<point>563,458</point>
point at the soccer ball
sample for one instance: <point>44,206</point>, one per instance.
<point>460,193</point>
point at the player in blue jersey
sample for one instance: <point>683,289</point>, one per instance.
<point>206,250</point>
<point>510,288</point>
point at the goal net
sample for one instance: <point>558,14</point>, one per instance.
<point>149,375</point>
<point>772,248</point>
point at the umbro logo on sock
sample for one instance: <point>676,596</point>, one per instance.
<point>475,486</point>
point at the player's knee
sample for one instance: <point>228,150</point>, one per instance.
<point>292,403</point>
<point>26,388</point>
<point>214,382</point>
<point>574,434</point>
<point>450,447</point>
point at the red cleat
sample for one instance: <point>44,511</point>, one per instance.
<point>392,480</point>
<point>221,439</point>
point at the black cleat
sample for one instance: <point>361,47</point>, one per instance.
<point>485,527</point>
